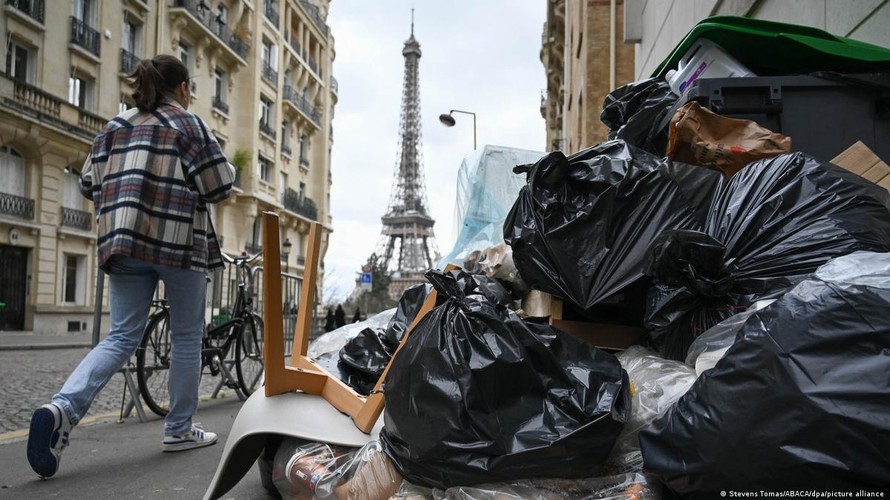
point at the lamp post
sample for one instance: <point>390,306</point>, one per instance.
<point>448,121</point>
<point>286,253</point>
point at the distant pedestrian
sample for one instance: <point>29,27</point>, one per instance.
<point>151,172</point>
<point>329,321</point>
<point>357,316</point>
<point>340,316</point>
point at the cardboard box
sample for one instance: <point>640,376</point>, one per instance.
<point>864,162</point>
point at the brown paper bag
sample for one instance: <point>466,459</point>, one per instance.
<point>701,137</point>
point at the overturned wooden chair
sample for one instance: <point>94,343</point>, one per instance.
<point>301,399</point>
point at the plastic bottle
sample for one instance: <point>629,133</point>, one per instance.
<point>704,59</point>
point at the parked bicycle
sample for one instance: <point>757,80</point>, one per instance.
<point>241,333</point>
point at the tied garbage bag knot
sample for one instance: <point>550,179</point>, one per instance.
<point>691,259</point>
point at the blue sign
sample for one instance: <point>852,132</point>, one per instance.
<point>366,281</point>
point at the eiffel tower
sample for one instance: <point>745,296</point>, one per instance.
<point>407,243</point>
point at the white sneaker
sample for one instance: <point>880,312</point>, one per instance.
<point>47,439</point>
<point>195,438</point>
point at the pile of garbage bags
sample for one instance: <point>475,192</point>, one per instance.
<point>759,276</point>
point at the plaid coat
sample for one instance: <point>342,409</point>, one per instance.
<point>150,176</point>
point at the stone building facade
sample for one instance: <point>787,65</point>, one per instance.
<point>584,57</point>
<point>261,79</point>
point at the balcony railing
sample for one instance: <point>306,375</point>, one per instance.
<point>266,129</point>
<point>77,218</point>
<point>129,61</point>
<point>270,12</point>
<point>300,204</point>
<point>18,206</point>
<point>200,10</point>
<point>49,109</point>
<point>269,74</point>
<point>31,8</point>
<point>253,248</point>
<point>301,261</point>
<point>334,85</point>
<point>85,36</point>
<point>316,18</point>
<point>221,105</point>
<point>237,178</point>
<point>285,149</point>
<point>300,102</point>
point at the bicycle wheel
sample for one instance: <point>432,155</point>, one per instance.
<point>249,354</point>
<point>153,363</point>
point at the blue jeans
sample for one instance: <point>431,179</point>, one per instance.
<point>132,284</point>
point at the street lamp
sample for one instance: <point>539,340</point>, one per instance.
<point>448,121</point>
<point>286,253</point>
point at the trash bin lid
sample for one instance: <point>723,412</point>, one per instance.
<point>771,48</point>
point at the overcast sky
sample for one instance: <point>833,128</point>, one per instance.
<point>479,56</point>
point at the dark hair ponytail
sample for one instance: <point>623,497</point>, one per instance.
<point>155,79</point>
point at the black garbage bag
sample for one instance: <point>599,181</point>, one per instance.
<point>581,226</point>
<point>478,395</point>
<point>365,356</point>
<point>770,225</point>
<point>800,401</point>
<point>638,113</point>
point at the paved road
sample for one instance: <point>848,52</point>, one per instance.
<point>31,377</point>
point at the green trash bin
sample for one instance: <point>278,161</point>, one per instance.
<point>771,48</point>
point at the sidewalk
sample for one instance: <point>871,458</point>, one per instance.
<point>121,461</point>
<point>22,340</point>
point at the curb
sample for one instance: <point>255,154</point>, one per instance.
<point>40,347</point>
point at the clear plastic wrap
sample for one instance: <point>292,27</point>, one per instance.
<point>300,466</point>
<point>333,341</point>
<point>368,475</point>
<point>708,348</point>
<point>658,383</point>
<point>618,487</point>
<point>486,189</point>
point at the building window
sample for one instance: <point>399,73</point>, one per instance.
<point>266,117</point>
<point>83,11</point>
<point>12,171</point>
<point>285,137</point>
<point>20,62</point>
<point>74,276</point>
<point>304,151</point>
<point>269,59</point>
<point>80,92</point>
<point>219,91</point>
<point>124,104</point>
<point>282,179</point>
<point>71,197</point>
<point>185,55</point>
<point>265,170</point>
<point>131,37</point>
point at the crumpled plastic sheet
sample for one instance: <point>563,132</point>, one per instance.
<point>710,347</point>
<point>634,486</point>
<point>333,341</point>
<point>657,383</point>
<point>800,399</point>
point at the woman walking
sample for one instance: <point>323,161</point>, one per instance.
<point>150,173</point>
